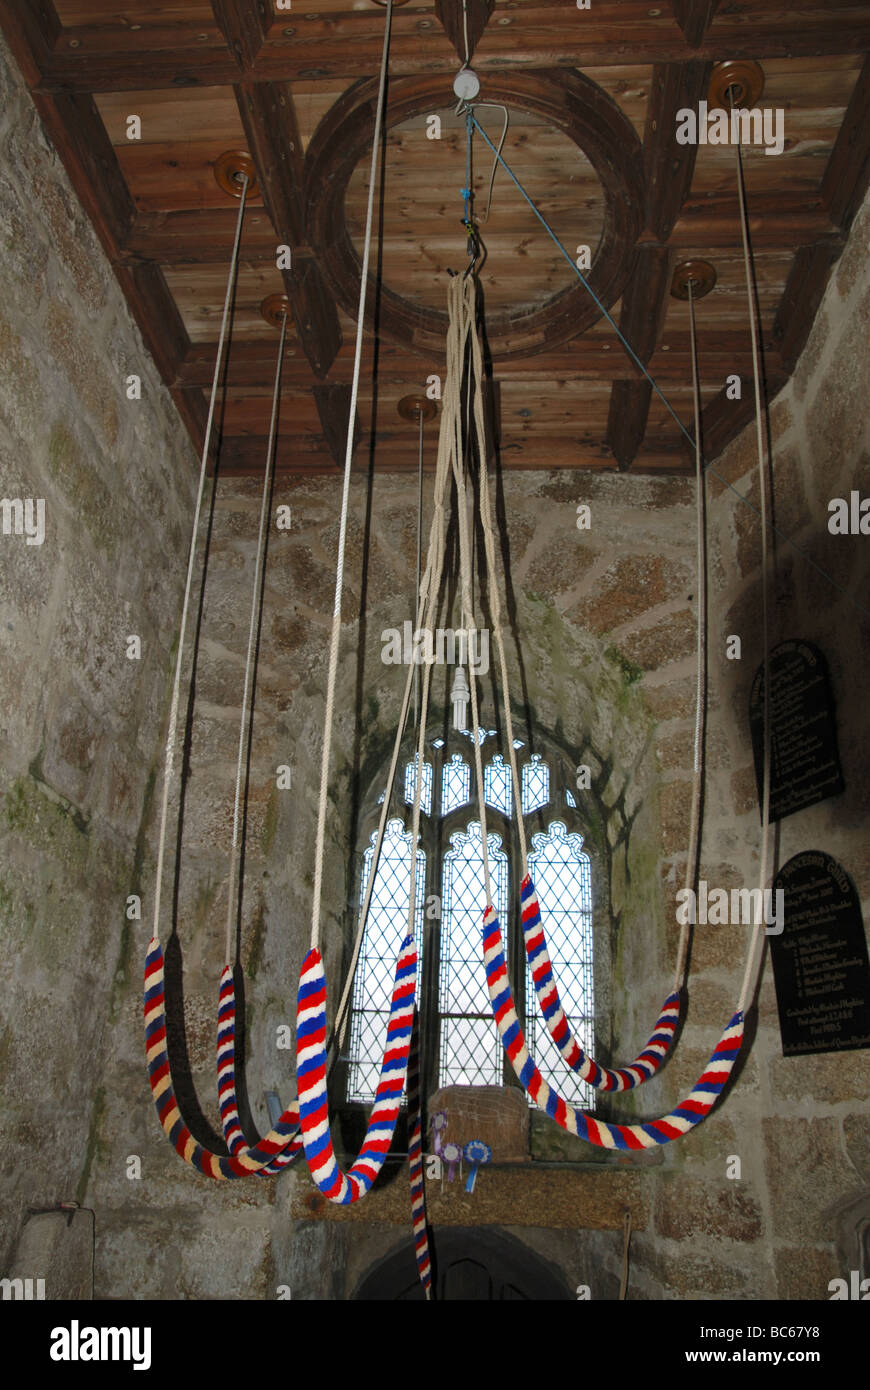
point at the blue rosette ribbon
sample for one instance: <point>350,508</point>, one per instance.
<point>476,1154</point>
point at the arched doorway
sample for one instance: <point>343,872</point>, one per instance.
<point>471,1264</point>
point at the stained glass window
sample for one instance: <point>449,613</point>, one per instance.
<point>560,869</point>
<point>497,785</point>
<point>385,930</point>
<point>470,1049</point>
<point>535,778</point>
<point>455,784</point>
<point>458,1031</point>
<point>426,789</point>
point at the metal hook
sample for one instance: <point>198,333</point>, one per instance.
<point>473,247</point>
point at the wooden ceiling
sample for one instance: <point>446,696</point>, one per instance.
<point>593,96</point>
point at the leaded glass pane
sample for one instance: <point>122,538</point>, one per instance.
<point>455,784</point>
<point>570,799</point>
<point>426,790</point>
<point>471,1052</point>
<point>560,869</point>
<point>535,779</point>
<point>497,785</point>
<point>385,929</point>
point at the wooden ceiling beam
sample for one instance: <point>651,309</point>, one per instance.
<point>804,289</point>
<point>75,127</point>
<point>396,452</point>
<point>627,420</point>
<point>723,419</point>
<point>669,167</point>
<point>204,236</point>
<point>268,115</point>
<point>106,58</point>
<point>272,131</point>
<point>641,320</point>
<point>314,313</point>
<point>157,315</point>
<point>244,24</point>
<point>76,130</point>
<point>843,187</point>
<point>668,170</point>
<point>694,18</point>
<point>199,237</point>
<point>193,410</point>
<point>32,28</point>
<point>611,32</point>
<point>333,407</point>
<point>779,219</point>
<point>591,358</point>
<point>455,26</point>
<point>847,175</point>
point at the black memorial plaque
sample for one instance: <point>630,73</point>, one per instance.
<point>820,965</point>
<point>804,762</point>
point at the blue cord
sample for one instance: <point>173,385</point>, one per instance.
<point>653,383</point>
<point>584,282</point>
<point>467,191</point>
<point>469,118</point>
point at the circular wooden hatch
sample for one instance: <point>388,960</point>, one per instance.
<point>569,103</point>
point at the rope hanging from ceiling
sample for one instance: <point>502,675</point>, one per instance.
<point>273,1151</point>
<point>274,308</point>
<point>269,1149</point>
<point>311,1018</point>
<point>415,1164</point>
<point>652,1056</point>
<point>709,1086</point>
<point>345,1188</point>
<point>689,279</point>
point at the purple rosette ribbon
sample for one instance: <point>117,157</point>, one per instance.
<point>439,1126</point>
<point>451,1154</point>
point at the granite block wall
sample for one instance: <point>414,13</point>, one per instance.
<point>601,655</point>
<point>95,556</point>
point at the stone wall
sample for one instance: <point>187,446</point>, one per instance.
<point>800,1125</point>
<point>574,681</point>
<point>602,656</point>
<point>601,653</point>
<point>80,721</point>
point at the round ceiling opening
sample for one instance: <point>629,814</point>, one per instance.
<point>423,233</point>
<point>586,174</point>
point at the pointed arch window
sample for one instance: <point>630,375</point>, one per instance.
<point>560,870</point>
<point>425,785</point>
<point>460,1043</point>
<point>455,784</point>
<point>386,926</point>
<point>497,785</point>
<point>535,778</point>
<point>470,1048</point>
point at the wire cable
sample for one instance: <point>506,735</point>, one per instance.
<point>862,608</point>
<point>252,629</point>
<point>176,687</point>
